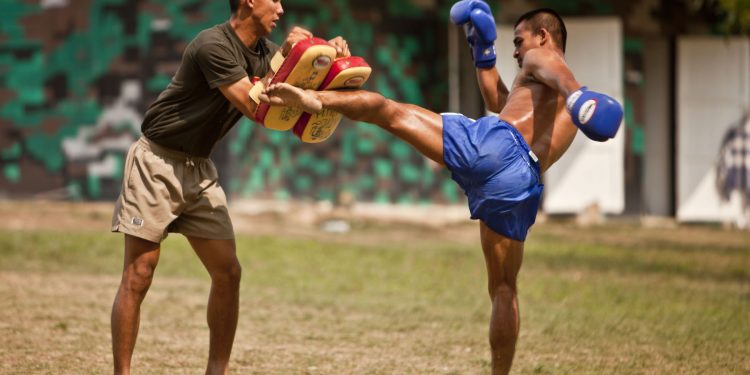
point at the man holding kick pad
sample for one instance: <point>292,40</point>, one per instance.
<point>171,185</point>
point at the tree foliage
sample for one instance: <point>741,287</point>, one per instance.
<point>735,15</point>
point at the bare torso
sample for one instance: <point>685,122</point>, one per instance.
<point>539,113</point>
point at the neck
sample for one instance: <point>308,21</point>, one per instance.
<point>556,50</point>
<point>243,27</point>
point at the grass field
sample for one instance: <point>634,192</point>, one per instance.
<point>383,299</point>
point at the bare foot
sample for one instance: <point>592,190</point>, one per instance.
<point>285,94</point>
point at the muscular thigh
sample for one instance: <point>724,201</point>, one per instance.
<point>421,128</point>
<point>503,256</point>
<point>218,256</point>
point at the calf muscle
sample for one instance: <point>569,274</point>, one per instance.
<point>359,105</point>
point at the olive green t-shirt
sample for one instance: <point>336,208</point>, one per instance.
<point>192,114</point>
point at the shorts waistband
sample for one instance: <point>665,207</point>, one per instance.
<point>167,152</point>
<point>518,137</point>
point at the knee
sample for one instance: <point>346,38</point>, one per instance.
<point>405,120</point>
<point>373,101</point>
<point>503,292</point>
<point>228,275</point>
<point>234,273</point>
<point>137,279</point>
<point>378,109</point>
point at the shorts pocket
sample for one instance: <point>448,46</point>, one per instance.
<point>127,171</point>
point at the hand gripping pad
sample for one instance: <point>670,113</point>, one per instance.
<point>346,72</point>
<point>306,66</point>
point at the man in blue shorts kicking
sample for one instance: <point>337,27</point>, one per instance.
<point>497,160</point>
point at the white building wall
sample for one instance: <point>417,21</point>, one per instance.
<point>713,84</point>
<point>590,172</point>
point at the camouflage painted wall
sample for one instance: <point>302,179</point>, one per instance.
<point>77,75</point>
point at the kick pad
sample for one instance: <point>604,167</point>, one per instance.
<point>346,72</point>
<point>306,66</point>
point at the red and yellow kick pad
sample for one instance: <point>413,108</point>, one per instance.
<point>346,73</point>
<point>306,66</point>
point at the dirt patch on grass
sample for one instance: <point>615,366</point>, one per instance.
<point>59,323</point>
<point>363,224</point>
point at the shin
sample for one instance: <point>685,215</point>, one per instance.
<point>141,258</point>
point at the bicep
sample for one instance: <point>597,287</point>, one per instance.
<point>237,94</point>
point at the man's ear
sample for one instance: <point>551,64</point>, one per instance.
<point>544,36</point>
<point>250,3</point>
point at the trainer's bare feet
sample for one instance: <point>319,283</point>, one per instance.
<point>287,95</point>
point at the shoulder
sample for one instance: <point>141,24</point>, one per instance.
<point>211,39</point>
<point>540,60</point>
<point>538,56</point>
<point>532,60</point>
<point>211,35</point>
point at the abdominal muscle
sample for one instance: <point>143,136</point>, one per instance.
<point>539,114</point>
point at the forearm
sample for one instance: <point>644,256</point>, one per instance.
<point>565,83</point>
<point>237,94</point>
<point>248,110</point>
<point>493,89</point>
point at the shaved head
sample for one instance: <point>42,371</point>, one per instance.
<point>548,19</point>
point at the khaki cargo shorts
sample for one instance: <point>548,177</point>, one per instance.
<point>165,191</point>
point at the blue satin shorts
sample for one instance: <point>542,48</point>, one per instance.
<point>495,167</point>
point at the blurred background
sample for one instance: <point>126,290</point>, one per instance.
<point>76,77</point>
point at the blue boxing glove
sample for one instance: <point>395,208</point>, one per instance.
<point>479,25</point>
<point>597,115</point>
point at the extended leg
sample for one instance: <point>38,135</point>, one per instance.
<point>503,257</point>
<point>141,257</point>
<point>419,127</point>
<point>220,259</point>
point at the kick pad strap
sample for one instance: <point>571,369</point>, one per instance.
<point>346,72</point>
<point>258,85</point>
<point>306,66</point>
